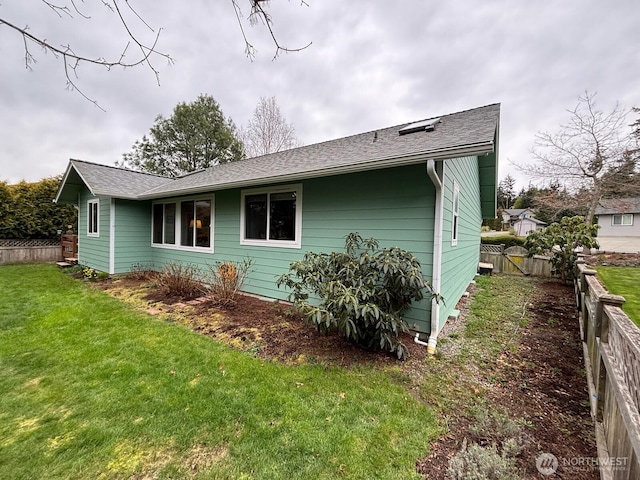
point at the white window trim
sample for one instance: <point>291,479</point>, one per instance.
<point>297,243</point>
<point>90,204</point>
<point>622,218</point>
<point>178,224</point>
<point>455,214</point>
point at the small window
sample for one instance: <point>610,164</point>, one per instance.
<point>625,219</point>
<point>164,226</point>
<point>455,223</point>
<point>93,218</point>
<point>272,217</point>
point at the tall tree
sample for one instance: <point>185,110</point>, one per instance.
<point>196,136</point>
<point>589,152</point>
<point>506,192</point>
<point>268,131</point>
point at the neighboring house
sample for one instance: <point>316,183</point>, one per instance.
<point>511,215</point>
<point>619,217</point>
<point>424,187</point>
<point>525,225</point>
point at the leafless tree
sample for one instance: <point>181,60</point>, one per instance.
<point>267,131</point>
<point>148,50</point>
<point>590,153</point>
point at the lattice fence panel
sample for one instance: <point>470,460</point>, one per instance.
<point>51,242</point>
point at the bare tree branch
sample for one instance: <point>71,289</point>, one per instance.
<point>591,152</point>
<point>148,52</point>
<point>258,14</point>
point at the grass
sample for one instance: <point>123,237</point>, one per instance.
<point>623,281</point>
<point>498,312</point>
<point>91,389</point>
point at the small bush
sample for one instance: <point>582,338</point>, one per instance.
<point>142,271</point>
<point>496,428</point>
<point>563,241</point>
<point>225,280</point>
<point>89,273</point>
<point>498,440</point>
<point>180,280</point>
<point>506,240</point>
<point>363,291</point>
<point>473,462</point>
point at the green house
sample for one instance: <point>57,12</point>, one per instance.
<point>424,187</point>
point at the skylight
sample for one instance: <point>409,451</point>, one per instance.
<point>422,126</point>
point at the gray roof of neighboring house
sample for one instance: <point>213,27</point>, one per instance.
<point>471,132</point>
<point>611,206</point>
<point>531,219</point>
<point>514,212</point>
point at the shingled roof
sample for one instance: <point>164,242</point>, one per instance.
<point>105,180</point>
<point>612,206</point>
<point>470,132</point>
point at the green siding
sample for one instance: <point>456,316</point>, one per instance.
<point>93,251</point>
<point>460,262</point>
<point>133,235</point>
<point>395,206</point>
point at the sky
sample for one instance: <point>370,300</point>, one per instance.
<point>371,64</point>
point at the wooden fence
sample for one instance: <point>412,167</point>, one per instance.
<point>515,260</point>
<point>611,344</point>
<point>38,251</point>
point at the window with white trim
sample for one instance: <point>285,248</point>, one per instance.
<point>272,217</point>
<point>185,223</point>
<point>93,218</point>
<point>455,221</point>
<point>623,219</point>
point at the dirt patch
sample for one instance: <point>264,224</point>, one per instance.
<point>542,384</point>
<point>541,381</point>
<point>614,259</point>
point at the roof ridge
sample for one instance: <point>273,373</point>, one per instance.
<point>369,132</point>
<point>122,169</point>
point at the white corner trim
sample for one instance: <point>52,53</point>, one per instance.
<point>112,237</point>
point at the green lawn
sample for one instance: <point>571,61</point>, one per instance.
<point>623,281</point>
<point>91,389</point>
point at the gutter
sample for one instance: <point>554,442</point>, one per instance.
<point>436,279</point>
<point>377,164</point>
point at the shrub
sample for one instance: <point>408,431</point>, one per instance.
<point>180,280</point>
<point>498,441</point>
<point>563,241</point>
<point>363,291</point>
<point>141,271</point>
<point>506,240</point>
<point>474,462</point>
<point>89,273</point>
<point>225,280</point>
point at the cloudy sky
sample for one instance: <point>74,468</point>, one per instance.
<point>372,64</point>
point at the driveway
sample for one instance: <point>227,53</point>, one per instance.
<point>619,244</point>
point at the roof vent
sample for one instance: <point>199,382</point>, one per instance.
<point>422,126</point>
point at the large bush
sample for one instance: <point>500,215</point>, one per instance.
<point>563,241</point>
<point>27,210</point>
<point>363,291</point>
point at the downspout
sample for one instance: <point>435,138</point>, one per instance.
<point>436,279</point>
